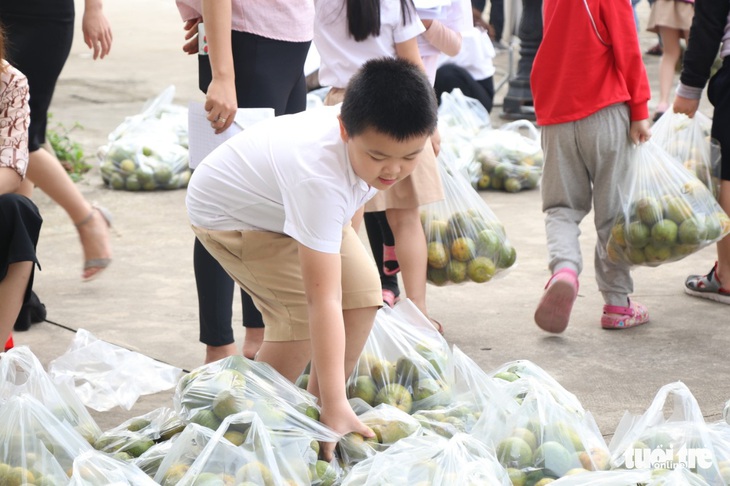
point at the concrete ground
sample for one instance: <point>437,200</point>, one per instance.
<point>146,300</point>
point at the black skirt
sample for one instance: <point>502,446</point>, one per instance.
<point>20,226</point>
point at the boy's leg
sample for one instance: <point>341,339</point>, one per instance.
<point>566,199</point>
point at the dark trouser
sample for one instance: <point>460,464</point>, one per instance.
<point>718,93</point>
<point>269,73</point>
<point>20,226</point>
<point>379,234</point>
<point>496,18</point>
<point>451,76</point>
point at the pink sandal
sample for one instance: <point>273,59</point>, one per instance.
<point>553,311</point>
<point>618,317</point>
<point>389,298</point>
<point>390,261</point>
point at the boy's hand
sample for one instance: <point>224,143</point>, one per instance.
<point>342,419</point>
<point>639,131</point>
<point>686,105</point>
<point>191,35</point>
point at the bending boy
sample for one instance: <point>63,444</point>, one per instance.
<point>273,206</point>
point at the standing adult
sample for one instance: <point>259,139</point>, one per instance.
<point>39,35</point>
<point>671,19</point>
<point>255,59</point>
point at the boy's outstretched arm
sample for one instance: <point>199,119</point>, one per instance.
<point>322,277</point>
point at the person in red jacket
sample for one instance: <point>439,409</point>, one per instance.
<point>590,93</point>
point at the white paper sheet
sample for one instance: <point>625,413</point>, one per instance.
<point>202,138</point>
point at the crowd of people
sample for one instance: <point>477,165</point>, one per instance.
<point>276,210</point>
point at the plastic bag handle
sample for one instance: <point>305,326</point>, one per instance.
<point>526,124</point>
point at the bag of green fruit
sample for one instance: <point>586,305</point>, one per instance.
<point>510,160</point>
<point>466,242</point>
<point>22,373</point>
<point>543,440</point>
<point>689,141</point>
<point>390,425</point>
<point>148,151</point>
<point>423,460</point>
<point>667,213</point>
<point>183,451</point>
<point>672,432</point>
<point>92,468</point>
<point>405,363</point>
<point>37,447</point>
<point>210,393</point>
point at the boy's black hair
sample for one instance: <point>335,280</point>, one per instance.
<point>392,96</point>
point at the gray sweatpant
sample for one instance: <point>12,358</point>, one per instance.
<point>586,161</point>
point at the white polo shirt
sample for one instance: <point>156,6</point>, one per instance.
<point>341,55</point>
<point>290,174</point>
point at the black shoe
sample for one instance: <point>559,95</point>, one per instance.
<point>37,309</point>
<point>22,323</point>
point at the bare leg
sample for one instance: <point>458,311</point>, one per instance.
<point>287,357</point>
<point>252,342</point>
<point>672,51</point>
<point>410,246</point>
<point>723,246</point>
<point>12,291</point>
<point>214,353</point>
<point>48,174</point>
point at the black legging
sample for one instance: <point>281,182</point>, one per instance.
<point>269,74</point>
<point>20,226</point>
<point>451,76</point>
<point>379,233</point>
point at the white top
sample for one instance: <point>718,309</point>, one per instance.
<point>290,174</point>
<point>341,55</point>
<point>477,52</point>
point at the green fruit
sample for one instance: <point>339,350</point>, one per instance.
<point>137,447</point>
<point>437,276</point>
<point>517,476</point>
<point>512,185</point>
<point>132,184</point>
<point>657,254</point>
<point>303,381</point>
<point>481,269</point>
<point>429,388</point>
<point>163,174</point>
<point>692,231</point>
<point>396,395</point>
<point>438,255</point>
<point>437,231</point>
<point>456,271</point>
<point>137,424</point>
<point>713,227</point>
<point>507,256</point>
<point>554,458</point>
<point>507,376</point>
<point>382,372</point>
<point>116,181</point>
<point>363,387</point>
<point>664,232</point>
<point>527,435</point>
<point>677,209</point>
<point>393,431</point>
<point>514,452</point>
<point>617,233</point>
<point>127,166</point>
<point>638,235</point>
<point>649,210</point>
<point>487,243</point>
<point>235,437</point>
<point>636,256</point>
<point>229,402</point>
<point>255,472</point>
<point>463,249</point>
<point>325,473</point>
<point>206,418</point>
<point>406,370</point>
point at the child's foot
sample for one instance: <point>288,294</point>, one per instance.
<point>618,317</point>
<point>707,287</point>
<point>215,353</point>
<point>252,341</point>
<point>553,311</point>
<point>390,261</point>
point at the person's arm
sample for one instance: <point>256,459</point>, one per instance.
<point>96,29</point>
<point>322,277</point>
<point>220,100</point>
<point>441,37</point>
<point>705,35</point>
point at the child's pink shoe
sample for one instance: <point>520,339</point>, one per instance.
<point>618,317</point>
<point>553,311</point>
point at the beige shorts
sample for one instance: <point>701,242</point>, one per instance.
<point>266,265</point>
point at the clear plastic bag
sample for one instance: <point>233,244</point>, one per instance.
<point>466,242</point>
<point>182,453</point>
<point>137,435</point>
<point>405,363</point>
<point>543,439</point>
<point>210,393</point>
<point>390,425</point>
<point>148,151</point>
<point>22,373</point>
<point>92,468</point>
<point>667,212</point>
<point>671,433</point>
<point>37,448</point>
<point>510,160</point>
<point>106,375</point>
<point>689,141</point>
<point>461,460</point>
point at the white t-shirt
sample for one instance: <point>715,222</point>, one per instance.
<point>341,55</point>
<point>290,174</point>
<point>477,52</point>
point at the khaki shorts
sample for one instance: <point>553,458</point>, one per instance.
<point>266,265</point>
